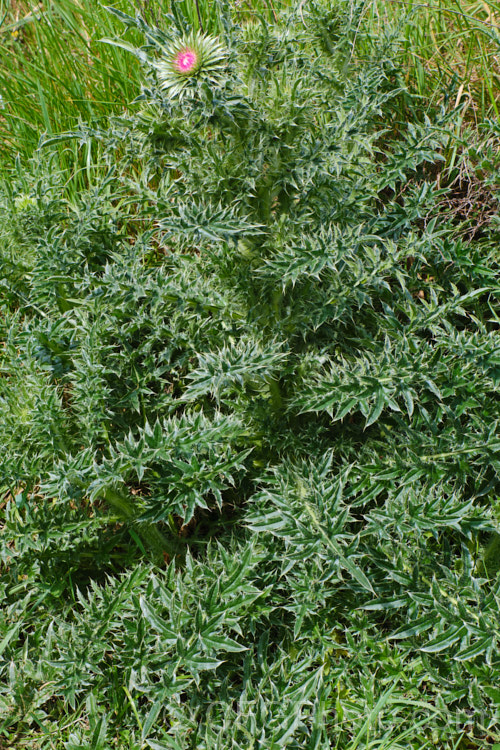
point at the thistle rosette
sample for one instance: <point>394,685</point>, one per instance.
<point>189,60</point>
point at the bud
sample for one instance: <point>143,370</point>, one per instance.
<point>189,60</point>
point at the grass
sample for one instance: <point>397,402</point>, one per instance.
<point>451,51</point>
<point>55,70</point>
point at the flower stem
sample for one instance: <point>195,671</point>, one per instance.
<point>274,386</point>
<point>199,16</point>
<point>150,534</point>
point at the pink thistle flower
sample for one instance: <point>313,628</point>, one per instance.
<point>189,60</point>
<point>185,60</point>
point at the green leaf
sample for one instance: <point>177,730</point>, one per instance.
<point>383,604</point>
<point>493,693</point>
<point>150,719</point>
<point>419,626</point>
<point>160,626</point>
<point>201,663</point>
<point>99,734</point>
<point>221,643</point>
<point>377,409</point>
<point>11,633</point>
<point>169,743</point>
<point>474,649</point>
<point>345,562</point>
<point>445,640</point>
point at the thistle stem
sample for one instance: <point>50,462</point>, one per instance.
<point>159,544</point>
<point>150,534</point>
<point>199,16</point>
<point>274,386</point>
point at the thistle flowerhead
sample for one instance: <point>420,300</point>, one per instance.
<point>188,60</point>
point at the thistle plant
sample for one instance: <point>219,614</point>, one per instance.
<point>250,395</point>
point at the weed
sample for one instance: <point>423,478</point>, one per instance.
<point>249,385</point>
